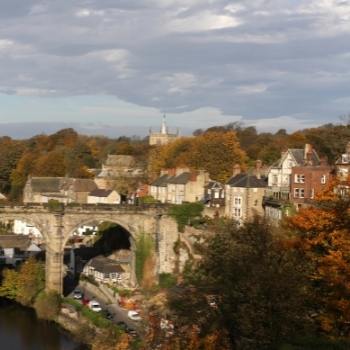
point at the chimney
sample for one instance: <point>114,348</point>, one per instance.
<point>258,166</point>
<point>308,154</point>
<point>236,169</point>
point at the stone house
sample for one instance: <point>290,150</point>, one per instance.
<point>101,196</point>
<point>158,189</point>
<point>307,181</point>
<point>16,248</point>
<point>186,186</point>
<point>106,270</point>
<point>244,194</point>
<point>63,189</point>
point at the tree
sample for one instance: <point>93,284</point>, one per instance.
<point>25,284</point>
<point>258,283</point>
<point>324,236</point>
<point>214,151</point>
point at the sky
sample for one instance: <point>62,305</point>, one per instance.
<point>115,67</point>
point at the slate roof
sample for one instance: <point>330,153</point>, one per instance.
<point>161,181</point>
<point>105,265</point>
<point>214,184</point>
<point>21,242</point>
<point>298,154</point>
<point>181,179</point>
<point>100,193</point>
<point>57,184</point>
<point>120,161</point>
<point>46,184</point>
<point>84,185</point>
<point>247,181</point>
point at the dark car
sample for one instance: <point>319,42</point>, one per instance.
<point>123,326</point>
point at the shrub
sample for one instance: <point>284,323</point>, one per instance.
<point>144,247</point>
<point>186,214</point>
<point>167,280</point>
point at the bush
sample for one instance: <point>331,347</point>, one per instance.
<point>144,247</point>
<point>55,206</point>
<point>186,214</point>
<point>47,305</point>
<point>147,200</point>
<point>167,280</point>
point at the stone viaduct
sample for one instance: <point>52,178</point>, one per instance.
<point>57,227</point>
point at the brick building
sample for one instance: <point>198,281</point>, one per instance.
<point>307,181</point>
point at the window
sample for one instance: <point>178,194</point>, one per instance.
<point>299,193</point>
<point>209,191</point>
<point>237,201</point>
<point>216,194</point>
<point>237,212</point>
<point>323,179</point>
<point>299,178</point>
<point>312,193</point>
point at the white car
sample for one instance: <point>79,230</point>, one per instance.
<point>134,315</point>
<point>95,306</point>
<point>77,294</point>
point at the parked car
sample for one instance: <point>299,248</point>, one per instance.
<point>134,315</point>
<point>107,314</point>
<point>123,326</point>
<point>85,301</point>
<point>77,294</point>
<point>95,306</point>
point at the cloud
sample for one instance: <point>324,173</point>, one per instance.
<point>257,59</point>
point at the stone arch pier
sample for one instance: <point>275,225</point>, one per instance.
<point>57,227</point>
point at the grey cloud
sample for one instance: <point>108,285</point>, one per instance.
<point>278,47</point>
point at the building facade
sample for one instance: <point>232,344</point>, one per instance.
<point>63,189</point>
<point>180,185</point>
<point>244,195</point>
<point>307,181</point>
<point>163,136</point>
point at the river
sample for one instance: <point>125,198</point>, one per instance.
<point>20,329</point>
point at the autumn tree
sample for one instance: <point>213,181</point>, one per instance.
<point>324,236</point>
<point>258,284</point>
<point>25,284</point>
<point>214,151</point>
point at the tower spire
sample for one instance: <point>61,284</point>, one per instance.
<point>164,129</point>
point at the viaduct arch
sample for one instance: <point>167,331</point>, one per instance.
<point>57,227</point>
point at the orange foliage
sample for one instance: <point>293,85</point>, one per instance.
<point>325,237</point>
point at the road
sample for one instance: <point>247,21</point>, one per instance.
<point>119,314</point>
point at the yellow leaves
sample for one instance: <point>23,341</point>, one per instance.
<point>216,152</point>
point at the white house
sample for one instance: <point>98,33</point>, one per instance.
<point>16,248</point>
<point>23,228</point>
<point>102,196</point>
<point>105,270</point>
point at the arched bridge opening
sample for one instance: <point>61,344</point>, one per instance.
<point>99,252</point>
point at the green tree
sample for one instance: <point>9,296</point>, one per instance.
<point>259,286</point>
